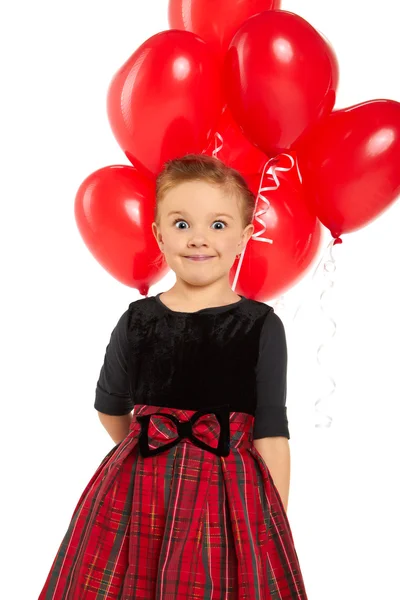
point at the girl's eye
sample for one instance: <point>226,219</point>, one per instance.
<point>179,221</point>
<point>225,224</point>
<point>183,221</point>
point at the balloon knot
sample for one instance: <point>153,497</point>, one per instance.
<point>144,290</point>
<point>338,240</point>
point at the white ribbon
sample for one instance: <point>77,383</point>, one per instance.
<point>328,267</point>
<point>270,169</point>
<point>217,136</point>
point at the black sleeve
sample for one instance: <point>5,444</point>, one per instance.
<point>112,390</point>
<point>271,417</point>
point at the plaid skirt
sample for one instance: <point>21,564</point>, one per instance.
<point>183,508</point>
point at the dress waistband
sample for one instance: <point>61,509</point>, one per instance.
<point>212,428</point>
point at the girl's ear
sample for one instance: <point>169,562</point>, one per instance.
<point>156,233</point>
<point>247,233</point>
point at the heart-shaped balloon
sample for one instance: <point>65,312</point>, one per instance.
<point>350,164</point>
<point>114,210</point>
<point>233,148</point>
<point>280,76</point>
<point>215,21</point>
<point>268,270</point>
<point>165,101</point>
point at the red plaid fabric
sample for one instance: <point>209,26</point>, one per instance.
<point>186,523</point>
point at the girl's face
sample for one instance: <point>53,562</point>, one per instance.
<point>197,218</point>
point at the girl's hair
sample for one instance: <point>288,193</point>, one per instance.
<point>200,167</point>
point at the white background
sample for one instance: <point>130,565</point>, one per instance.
<point>59,306</point>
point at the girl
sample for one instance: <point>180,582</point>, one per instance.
<point>186,504</point>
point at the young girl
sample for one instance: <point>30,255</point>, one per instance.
<point>186,505</point>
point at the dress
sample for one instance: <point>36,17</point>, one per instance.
<point>184,507</point>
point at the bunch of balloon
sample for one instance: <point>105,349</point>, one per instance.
<point>256,87</point>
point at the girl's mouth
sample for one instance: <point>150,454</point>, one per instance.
<point>199,258</point>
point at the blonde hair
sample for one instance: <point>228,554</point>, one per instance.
<point>200,167</point>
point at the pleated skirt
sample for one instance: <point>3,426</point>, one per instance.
<point>183,524</point>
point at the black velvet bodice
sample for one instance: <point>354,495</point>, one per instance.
<point>192,360</point>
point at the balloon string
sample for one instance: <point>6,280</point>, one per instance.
<point>270,169</point>
<point>329,266</point>
<point>316,270</point>
<point>217,136</point>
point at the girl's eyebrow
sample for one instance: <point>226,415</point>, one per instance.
<point>216,214</point>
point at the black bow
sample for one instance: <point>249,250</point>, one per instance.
<point>185,429</point>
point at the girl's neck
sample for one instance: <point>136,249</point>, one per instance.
<point>187,301</point>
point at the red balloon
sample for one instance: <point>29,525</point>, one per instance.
<point>114,210</point>
<point>334,62</point>
<point>350,164</point>
<point>216,21</point>
<point>279,79</point>
<point>164,102</point>
<point>269,270</point>
<point>236,150</point>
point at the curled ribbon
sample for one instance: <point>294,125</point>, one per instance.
<point>270,169</point>
<point>217,136</point>
<point>328,268</point>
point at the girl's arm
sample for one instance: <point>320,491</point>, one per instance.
<point>271,427</point>
<point>276,453</point>
<point>116,426</point>
<point>113,400</point>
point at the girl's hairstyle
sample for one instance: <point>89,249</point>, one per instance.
<point>200,167</point>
